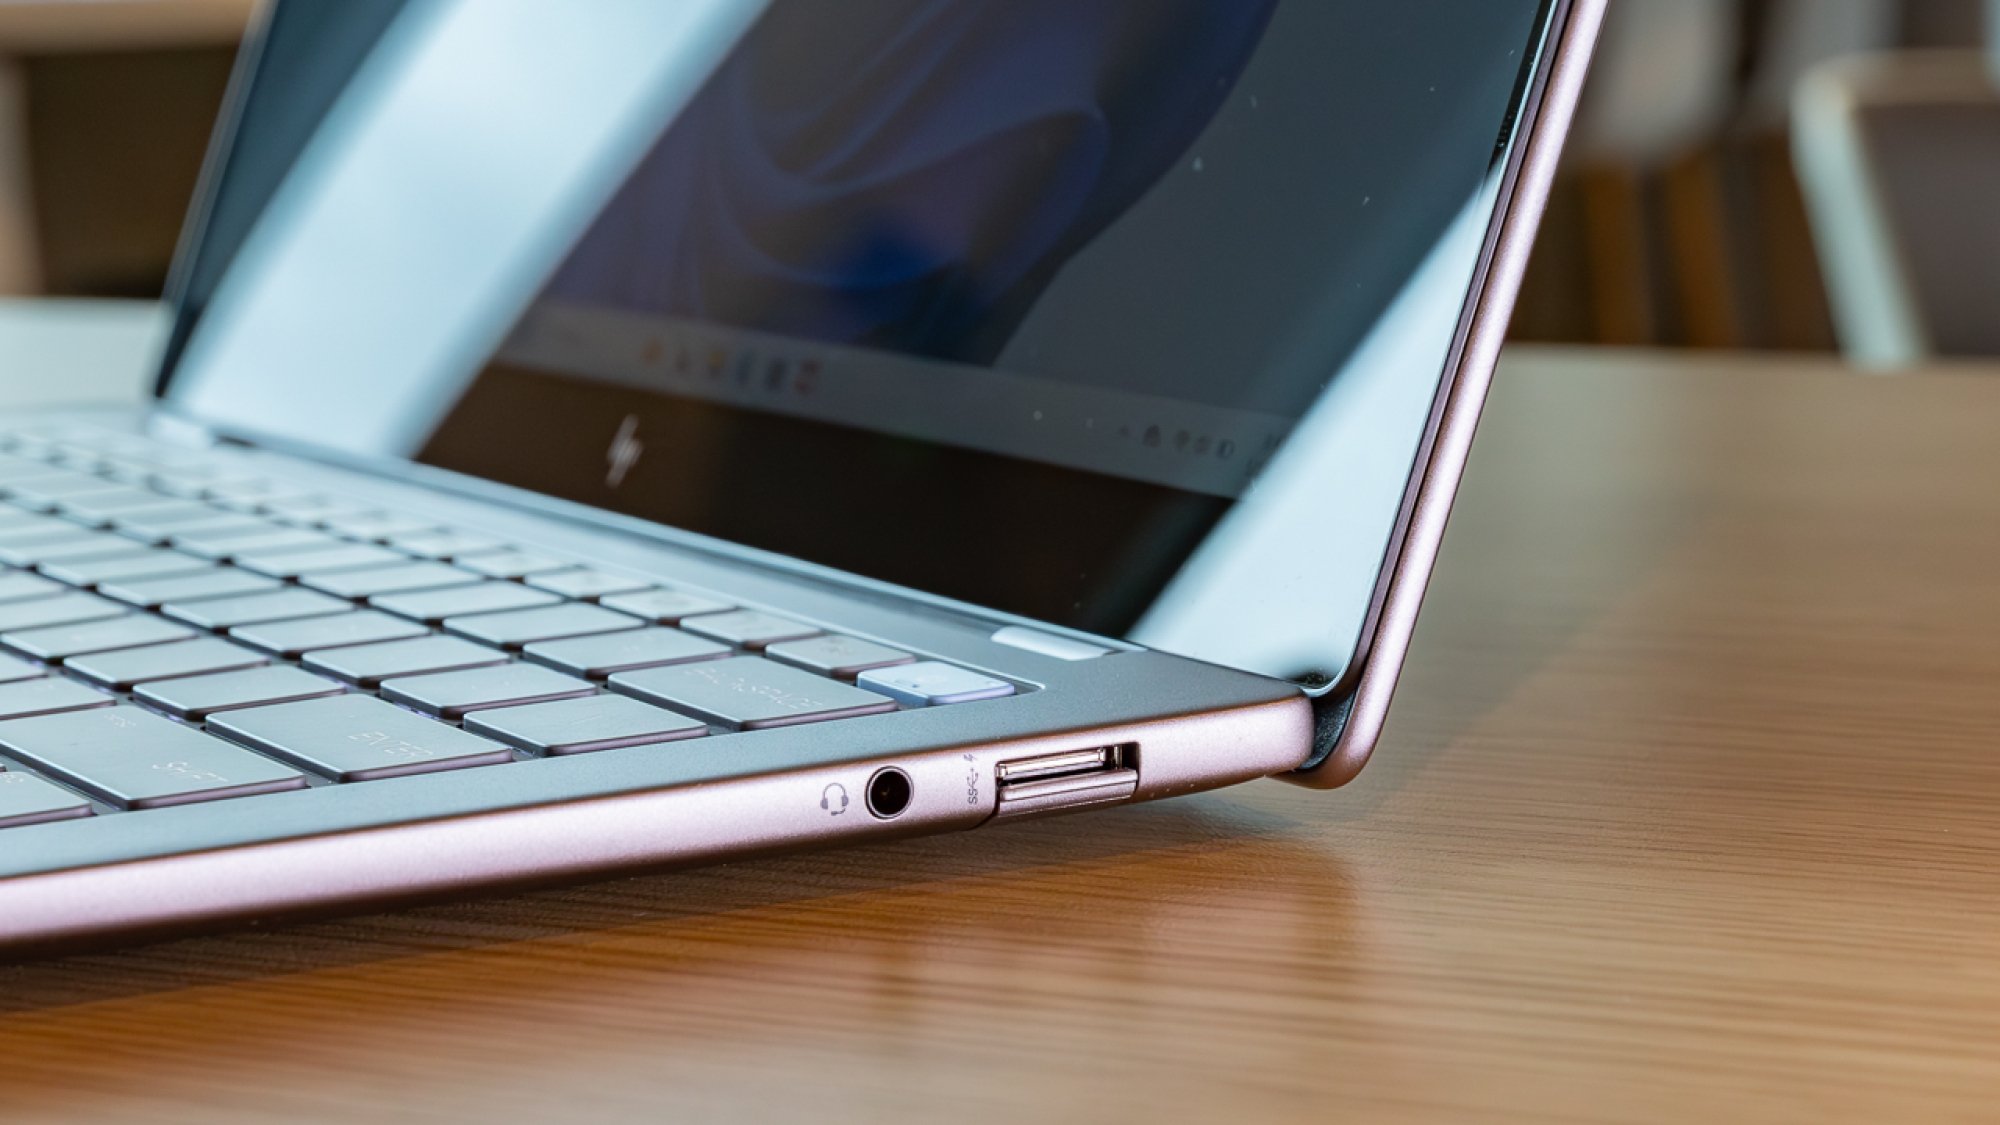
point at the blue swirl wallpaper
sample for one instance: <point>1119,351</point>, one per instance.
<point>910,174</point>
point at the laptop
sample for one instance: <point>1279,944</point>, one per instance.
<point>590,444</point>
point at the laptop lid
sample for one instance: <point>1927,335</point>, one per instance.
<point>1127,316</point>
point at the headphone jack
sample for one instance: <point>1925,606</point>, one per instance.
<point>889,793</point>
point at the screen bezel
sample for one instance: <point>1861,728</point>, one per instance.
<point>1551,19</point>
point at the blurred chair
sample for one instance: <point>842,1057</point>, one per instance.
<point>1899,156</point>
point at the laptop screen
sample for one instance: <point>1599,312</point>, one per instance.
<point>1123,315</point>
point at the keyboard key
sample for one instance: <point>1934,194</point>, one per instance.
<point>364,584</point>
<point>748,627</point>
<point>526,626</point>
<point>126,668</point>
<point>62,642</point>
<point>433,606</point>
<point>20,519</point>
<point>153,527</point>
<point>78,544</point>
<point>257,495</point>
<point>218,582</point>
<point>587,585</point>
<point>99,509</point>
<point>128,758</point>
<point>20,586</point>
<point>44,493</point>
<point>576,726</point>
<point>837,656</point>
<point>195,697</point>
<point>14,670</point>
<point>446,544</point>
<point>26,799</point>
<point>663,607</point>
<point>368,665</point>
<point>749,693</point>
<point>932,683</point>
<point>313,511</point>
<point>283,604</point>
<point>292,639</point>
<point>342,556</point>
<point>379,526</point>
<point>46,697</point>
<point>514,564</point>
<point>451,695</point>
<point>134,563</point>
<point>270,541</point>
<point>42,529</point>
<point>600,656</point>
<point>358,738</point>
<point>63,609</point>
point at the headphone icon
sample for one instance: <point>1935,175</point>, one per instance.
<point>834,800</point>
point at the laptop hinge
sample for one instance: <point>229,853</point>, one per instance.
<point>176,430</point>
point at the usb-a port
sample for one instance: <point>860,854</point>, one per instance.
<point>1067,779</point>
<point>1062,764</point>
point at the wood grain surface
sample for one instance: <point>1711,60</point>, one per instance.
<point>1690,811</point>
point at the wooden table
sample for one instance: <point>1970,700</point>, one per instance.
<point>1690,811</point>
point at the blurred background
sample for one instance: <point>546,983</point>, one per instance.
<point>1763,174</point>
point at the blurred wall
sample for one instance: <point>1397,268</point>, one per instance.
<point>1678,220</point>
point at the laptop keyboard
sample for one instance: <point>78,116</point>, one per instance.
<point>177,630</point>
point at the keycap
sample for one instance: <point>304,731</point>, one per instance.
<point>63,609</point>
<point>433,606</point>
<point>14,669</point>
<point>19,585</point>
<point>514,564</point>
<point>125,668</point>
<point>294,564</point>
<point>195,697</point>
<point>368,665</point>
<point>292,639</point>
<point>80,545</point>
<point>313,511</point>
<point>663,607</point>
<point>47,696</point>
<point>44,493</point>
<point>576,726</point>
<point>43,530</point>
<point>282,604</point>
<point>26,799</point>
<point>61,642</point>
<point>220,582</point>
<point>255,495</point>
<point>749,693</point>
<point>526,626</point>
<point>364,584</point>
<point>99,509</point>
<point>933,683</point>
<point>128,758</point>
<point>748,627</point>
<point>357,738</point>
<point>20,519</point>
<point>450,695</point>
<point>270,541</point>
<point>152,527</point>
<point>585,584</point>
<point>599,656</point>
<point>446,544</point>
<point>135,563</point>
<point>378,526</point>
<point>837,656</point>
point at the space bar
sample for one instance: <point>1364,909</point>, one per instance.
<point>131,759</point>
